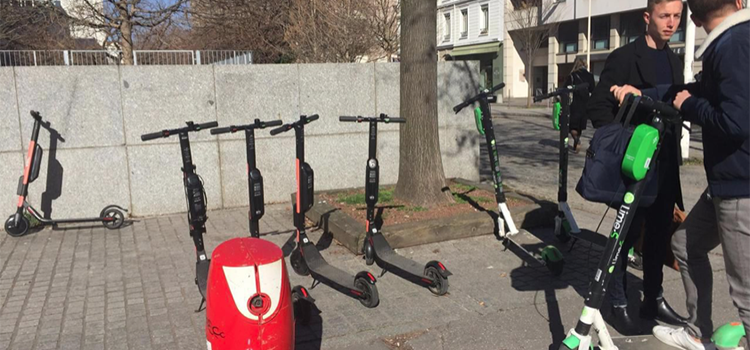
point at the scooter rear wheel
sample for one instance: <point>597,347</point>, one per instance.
<point>299,265</point>
<point>440,286</point>
<point>371,298</point>
<point>116,215</point>
<point>16,230</point>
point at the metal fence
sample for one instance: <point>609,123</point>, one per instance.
<point>16,58</point>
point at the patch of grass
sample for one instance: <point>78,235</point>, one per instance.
<point>692,161</point>
<point>385,196</point>
<point>463,188</point>
<point>459,198</point>
<point>413,209</point>
<point>33,222</point>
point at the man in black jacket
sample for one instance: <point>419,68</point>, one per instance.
<point>647,62</point>
<point>720,104</point>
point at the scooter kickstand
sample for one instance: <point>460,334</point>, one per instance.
<point>201,307</point>
<point>314,284</point>
<point>382,273</point>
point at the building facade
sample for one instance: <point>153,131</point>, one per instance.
<point>472,30</point>
<point>613,24</point>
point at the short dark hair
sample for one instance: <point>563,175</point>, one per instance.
<point>704,9</point>
<point>652,3</point>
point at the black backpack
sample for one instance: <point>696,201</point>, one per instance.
<point>602,180</point>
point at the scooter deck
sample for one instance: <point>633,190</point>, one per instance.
<point>324,272</point>
<point>389,260</point>
<point>642,342</point>
<point>201,275</point>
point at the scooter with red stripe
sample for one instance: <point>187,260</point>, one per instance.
<point>433,275</point>
<point>17,225</point>
<point>306,259</point>
<point>195,196</point>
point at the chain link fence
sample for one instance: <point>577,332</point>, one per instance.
<point>25,58</point>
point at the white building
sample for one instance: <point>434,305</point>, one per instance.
<point>472,30</point>
<point>613,24</point>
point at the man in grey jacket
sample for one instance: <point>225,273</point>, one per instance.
<point>720,104</point>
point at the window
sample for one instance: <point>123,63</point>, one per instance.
<point>600,33</point>
<point>568,37</point>
<point>631,27</point>
<point>485,19</point>
<point>464,23</point>
<point>447,27</point>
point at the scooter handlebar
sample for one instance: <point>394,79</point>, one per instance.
<point>562,90</point>
<point>273,123</point>
<point>471,100</point>
<point>345,118</point>
<point>36,115</point>
<point>208,125</point>
<point>155,135</point>
<point>279,130</point>
<point>311,118</point>
<point>664,109</point>
<point>224,130</point>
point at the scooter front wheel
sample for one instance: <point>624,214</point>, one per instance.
<point>14,229</point>
<point>440,284</point>
<point>302,312</point>
<point>370,298</point>
<point>369,252</point>
<point>299,265</point>
<point>113,218</point>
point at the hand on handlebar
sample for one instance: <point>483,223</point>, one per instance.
<point>622,92</point>
<point>681,97</point>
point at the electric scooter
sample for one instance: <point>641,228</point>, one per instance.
<point>306,259</point>
<point>565,223</point>
<point>643,147</point>
<point>434,275</point>
<point>17,225</point>
<point>247,277</point>
<point>195,195</point>
<point>550,256</point>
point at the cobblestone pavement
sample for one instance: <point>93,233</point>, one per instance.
<point>90,288</point>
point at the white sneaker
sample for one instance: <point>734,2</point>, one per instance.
<point>680,338</point>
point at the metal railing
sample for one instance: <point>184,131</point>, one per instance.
<point>20,58</point>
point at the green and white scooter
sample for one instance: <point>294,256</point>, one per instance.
<point>565,223</point>
<point>549,256</point>
<point>642,149</point>
<point>729,336</point>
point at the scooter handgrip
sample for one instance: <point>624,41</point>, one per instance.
<point>36,115</point>
<point>154,135</point>
<point>497,87</point>
<point>207,125</point>
<point>459,107</point>
<point>281,129</point>
<point>273,123</point>
<point>311,118</point>
<point>224,130</point>
<point>397,120</point>
<point>348,119</point>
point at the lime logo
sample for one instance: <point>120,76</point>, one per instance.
<point>493,142</point>
<point>611,268</point>
<point>629,197</point>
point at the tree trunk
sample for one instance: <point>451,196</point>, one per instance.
<point>126,43</point>
<point>420,172</point>
<point>530,81</point>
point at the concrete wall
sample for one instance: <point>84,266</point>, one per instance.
<point>100,113</point>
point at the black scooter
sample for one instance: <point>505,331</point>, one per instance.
<point>17,225</point>
<point>550,256</point>
<point>306,259</point>
<point>643,147</point>
<point>196,199</point>
<point>434,275</point>
<point>302,311</point>
<point>565,223</point>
